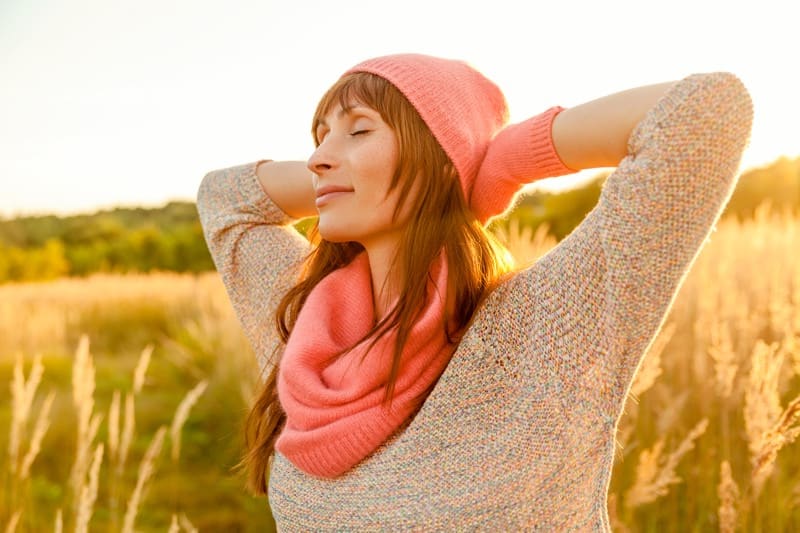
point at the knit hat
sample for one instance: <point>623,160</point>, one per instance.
<point>465,111</point>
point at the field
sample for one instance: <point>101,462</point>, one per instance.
<point>126,395</point>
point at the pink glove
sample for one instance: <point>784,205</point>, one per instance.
<point>519,154</point>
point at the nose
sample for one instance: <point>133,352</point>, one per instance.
<point>322,159</point>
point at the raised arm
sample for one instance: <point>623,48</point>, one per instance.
<point>255,249</point>
<point>593,305</point>
<point>288,184</point>
<point>595,134</point>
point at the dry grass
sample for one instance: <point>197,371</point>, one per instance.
<point>785,430</point>
<point>85,474</point>
<point>708,440</point>
<point>728,493</point>
<point>181,415</point>
<point>13,521</point>
<point>656,471</point>
<point>22,394</point>
<point>146,470</point>
<point>525,244</point>
<point>88,494</point>
<point>39,430</point>
<point>83,385</point>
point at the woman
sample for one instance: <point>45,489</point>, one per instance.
<point>413,380</point>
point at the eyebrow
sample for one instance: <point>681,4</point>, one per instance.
<point>350,110</point>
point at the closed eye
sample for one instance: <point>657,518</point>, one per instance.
<point>359,132</point>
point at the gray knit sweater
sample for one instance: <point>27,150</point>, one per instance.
<point>519,431</point>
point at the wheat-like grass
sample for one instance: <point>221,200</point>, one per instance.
<point>720,301</point>
<point>186,524</point>
<point>22,394</point>
<point>17,411</point>
<point>182,414</point>
<point>650,368</point>
<point>791,347</point>
<point>656,473</point>
<point>762,401</point>
<point>59,304</point>
<point>669,416</point>
<point>785,431</point>
<point>59,525</point>
<point>728,493</point>
<point>173,525</point>
<point>113,427</point>
<point>11,527</point>
<point>83,385</point>
<point>201,296</point>
<point>89,493</point>
<point>141,368</point>
<point>725,359</point>
<point>645,377</point>
<point>39,430</point>
<point>525,244</point>
<point>146,469</point>
<point>128,428</point>
<point>82,372</point>
<point>82,466</point>
<point>703,321</point>
<point>762,410</point>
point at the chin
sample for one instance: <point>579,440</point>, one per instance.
<point>334,232</point>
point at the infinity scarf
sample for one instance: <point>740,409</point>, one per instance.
<point>334,404</point>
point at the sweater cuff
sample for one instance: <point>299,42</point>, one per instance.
<point>529,150</point>
<point>520,154</point>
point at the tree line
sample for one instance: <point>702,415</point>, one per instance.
<point>170,237</point>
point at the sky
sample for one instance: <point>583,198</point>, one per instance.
<point>107,102</point>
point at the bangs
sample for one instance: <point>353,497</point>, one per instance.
<point>356,88</point>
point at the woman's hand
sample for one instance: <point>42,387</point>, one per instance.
<point>289,185</point>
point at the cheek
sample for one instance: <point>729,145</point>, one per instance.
<point>380,163</point>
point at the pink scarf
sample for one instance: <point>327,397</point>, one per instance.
<point>335,414</point>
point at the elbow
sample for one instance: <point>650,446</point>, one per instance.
<point>210,188</point>
<point>735,110</point>
<point>732,101</point>
<point>205,188</point>
<point>722,117</point>
<point>207,193</point>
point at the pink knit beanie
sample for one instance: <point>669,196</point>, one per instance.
<point>465,111</point>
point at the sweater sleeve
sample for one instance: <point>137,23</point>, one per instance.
<point>255,249</point>
<point>593,305</point>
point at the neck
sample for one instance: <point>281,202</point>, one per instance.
<point>385,282</point>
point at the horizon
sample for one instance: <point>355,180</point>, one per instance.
<point>529,189</point>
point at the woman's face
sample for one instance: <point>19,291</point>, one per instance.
<point>353,167</point>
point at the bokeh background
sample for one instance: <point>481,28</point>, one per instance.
<point>128,373</point>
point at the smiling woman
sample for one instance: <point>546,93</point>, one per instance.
<point>409,364</point>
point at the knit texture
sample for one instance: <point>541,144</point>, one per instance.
<point>335,410</point>
<point>465,111</point>
<point>518,155</point>
<point>518,433</point>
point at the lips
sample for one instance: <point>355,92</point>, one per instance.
<point>329,192</point>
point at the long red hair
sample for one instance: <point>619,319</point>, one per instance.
<point>441,220</point>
